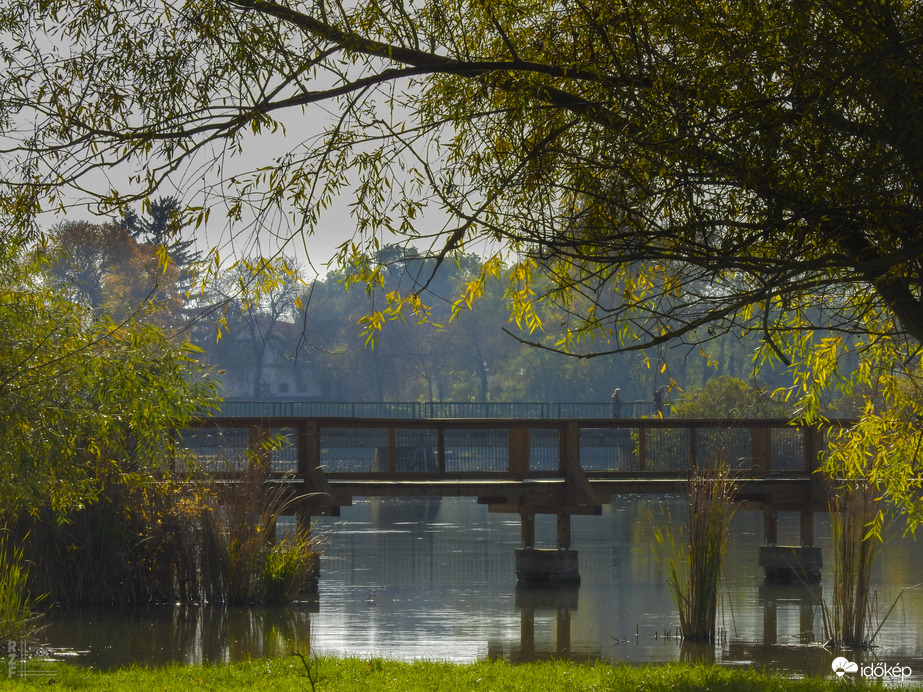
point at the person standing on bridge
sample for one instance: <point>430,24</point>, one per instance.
<point>617,403</point>
<point>658,400</point>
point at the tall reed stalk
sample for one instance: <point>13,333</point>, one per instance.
<point>694,556</point>
<point>853,513</point>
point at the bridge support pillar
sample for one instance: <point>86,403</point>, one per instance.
<point>545,566</point>
<point>807,527</point>
<point>770,527</point>
<point>527,529</point>
<point>564,532</point>
<point>787,564</point>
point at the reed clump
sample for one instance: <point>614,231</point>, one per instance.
<point>260,568</point>
<point>169,540</point>
<point>856,518</point>
<point>691,557</point>
<point>17,605</point>
<point>136,543</point>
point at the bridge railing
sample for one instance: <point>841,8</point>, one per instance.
<point>432,409</point>
<point>347,447</point>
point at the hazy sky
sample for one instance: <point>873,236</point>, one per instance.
<point>198,182</point>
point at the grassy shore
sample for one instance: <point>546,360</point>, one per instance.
<point>346,675</point>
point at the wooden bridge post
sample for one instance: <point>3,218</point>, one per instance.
<point>770,526</point>
<point>440,449</point>
<point>313,481</point>
<point>642,449</point>
<point>518,450</point>
<point>258,446</point>
<point>569,452</point>
<point>807,527</point>
<point>564,532</point>
<point>761,448</point>
<point>259,460</point>
<point>527,529</point>
<point>693,449</point>
<point>391,450</point>
<point>813,445</point>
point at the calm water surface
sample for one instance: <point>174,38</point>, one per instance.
<point>435,580</point>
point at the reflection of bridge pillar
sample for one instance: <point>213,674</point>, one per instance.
<point>770,623</point>
<point>805,598</point>
<point>562,632</point>
<point>527,632</point>
<point>562,601</point>
<point>806,622</point>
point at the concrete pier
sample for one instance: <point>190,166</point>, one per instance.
<point>547,566</point>
<point>790,564</point>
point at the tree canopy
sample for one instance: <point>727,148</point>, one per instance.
<point>729,397</point>
<point>84,401</point>
<point>664,170</point>
<point>685,165</point>
<point>161,227</point>
<point>101,267</point>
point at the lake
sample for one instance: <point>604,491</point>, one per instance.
<point>434,579</point>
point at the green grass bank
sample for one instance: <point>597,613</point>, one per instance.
<point>346,675</point>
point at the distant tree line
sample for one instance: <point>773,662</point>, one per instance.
<point>308,339</point>
<point>266,330</point>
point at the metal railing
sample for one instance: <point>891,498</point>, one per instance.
<point>426,410</point>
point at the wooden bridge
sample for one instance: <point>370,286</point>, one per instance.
<point>530,466</point>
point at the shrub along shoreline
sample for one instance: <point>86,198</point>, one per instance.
<point>352,674</point>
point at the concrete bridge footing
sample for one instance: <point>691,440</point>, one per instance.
<point>546,566</point>
<point>789,564</point>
